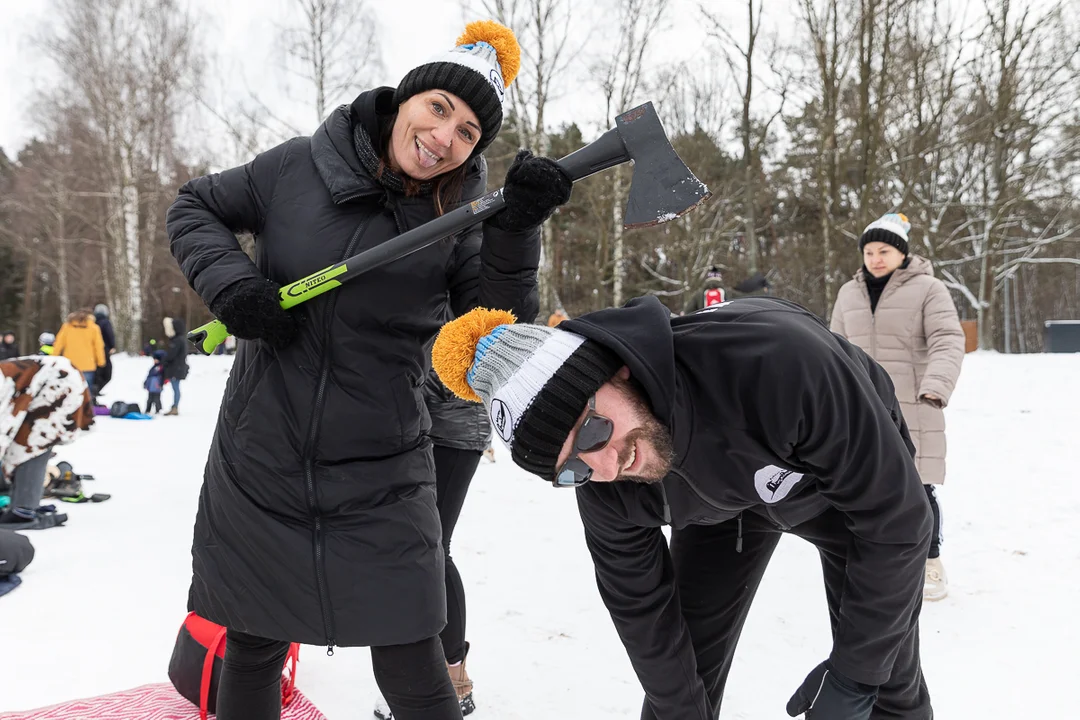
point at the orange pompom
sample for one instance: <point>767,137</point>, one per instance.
<point>499,37</point>
<point>455,348</point>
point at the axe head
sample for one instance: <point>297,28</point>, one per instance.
<point>663,187</point>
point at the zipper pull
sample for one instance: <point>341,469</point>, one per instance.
<point>330,651</point>
<point>738,538</point>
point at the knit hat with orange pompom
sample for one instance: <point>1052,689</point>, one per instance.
<point>535,381</point>
<point>478,70</point>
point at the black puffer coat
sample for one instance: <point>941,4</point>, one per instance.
<point>175,360</point>
<point>317,519</point>
<point>455,423</point>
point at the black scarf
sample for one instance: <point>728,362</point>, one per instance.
<point>371,127</point>
<point>875,286</point>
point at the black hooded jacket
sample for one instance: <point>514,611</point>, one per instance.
<point>108,335</point>
<point>770,413</point>
<point>317,519</point>
<point>175,360</point>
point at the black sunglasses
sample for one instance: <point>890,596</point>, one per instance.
<point>593,435</point>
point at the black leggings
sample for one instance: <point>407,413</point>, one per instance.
<point>454,471</point>
<point>412,678</point>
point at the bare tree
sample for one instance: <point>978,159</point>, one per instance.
<point>830,41</point>
<point>334,47</point>
<point>876,22</point>
<point>543,31</point>
<point>122,62</point>
<point>1024,85</point>
<point>622,77</point>
<point>740,61</point>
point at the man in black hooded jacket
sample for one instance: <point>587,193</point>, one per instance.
<point>732,425</point>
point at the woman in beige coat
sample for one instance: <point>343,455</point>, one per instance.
<point>903,317</point>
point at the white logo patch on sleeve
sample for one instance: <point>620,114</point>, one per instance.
<point>774,483</point>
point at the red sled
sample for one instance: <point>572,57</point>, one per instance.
<point>158,701</point>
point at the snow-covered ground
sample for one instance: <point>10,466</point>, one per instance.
<point>100,606</point>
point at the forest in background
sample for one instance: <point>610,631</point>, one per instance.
<point>972,130</point>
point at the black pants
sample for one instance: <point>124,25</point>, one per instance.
<point>153,401</point>
<point>412,678</point>
<point>103,375</point>
<point>717,584</point>
<point>454,470</point>
<point>938,536</point>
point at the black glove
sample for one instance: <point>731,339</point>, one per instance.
<point>827,695</point>
<point>534,187</point>
<point>251,310</point>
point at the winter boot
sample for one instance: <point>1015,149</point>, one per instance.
<point>935,583</point>
<point>41,519</point>
<point>173,411</point>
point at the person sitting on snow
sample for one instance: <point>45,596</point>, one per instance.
<point>45,401</point>
<point>733,425</point>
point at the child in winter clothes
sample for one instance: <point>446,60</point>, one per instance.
<point>155,383</point>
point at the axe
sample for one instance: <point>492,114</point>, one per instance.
<point>663,188</point>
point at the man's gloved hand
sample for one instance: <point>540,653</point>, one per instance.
<point>534,187</point>
<point>251,310</point>
<point>827,695</point>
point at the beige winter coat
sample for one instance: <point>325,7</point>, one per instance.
<point>916,336</point>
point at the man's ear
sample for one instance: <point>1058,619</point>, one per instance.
<point>623,373</point>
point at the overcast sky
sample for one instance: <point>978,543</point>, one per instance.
<point>243,37</point>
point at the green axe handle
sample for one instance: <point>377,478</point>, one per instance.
<point>207,337</point>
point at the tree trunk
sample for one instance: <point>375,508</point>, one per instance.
<point>750,194</point>
<point>25,339</point>
<point>128,315</point>
<point>61,254</point>
<point>618,270</point>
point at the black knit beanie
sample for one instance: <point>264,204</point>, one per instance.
<point>535,380</point>
<point>891,229</point>
<point>478,70</point>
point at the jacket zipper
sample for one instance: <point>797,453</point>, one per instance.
<point>309,460</point>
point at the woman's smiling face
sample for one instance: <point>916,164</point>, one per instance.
<point>434,133</point>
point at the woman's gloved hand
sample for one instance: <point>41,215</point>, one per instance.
<point>251,310</point>
<point>827,695</point>
<point>534,187</point>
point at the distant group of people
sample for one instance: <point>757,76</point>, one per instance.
<point>88,340</point>
<point>169,368</point>
<point>48,396</point>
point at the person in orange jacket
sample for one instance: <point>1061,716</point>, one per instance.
<point>80,341</point>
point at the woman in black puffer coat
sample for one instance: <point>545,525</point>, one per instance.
<point>317,520</point>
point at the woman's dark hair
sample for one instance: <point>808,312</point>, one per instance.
<point>445,188</point>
